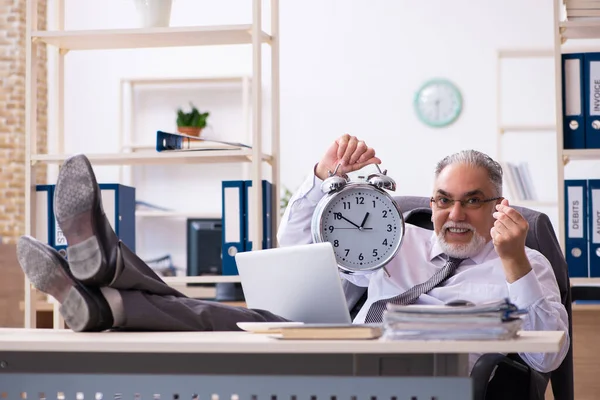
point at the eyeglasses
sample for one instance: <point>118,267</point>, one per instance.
<point>471,203</point>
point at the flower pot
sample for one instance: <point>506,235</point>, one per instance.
<point>153,13</point>
<point>189,130</point>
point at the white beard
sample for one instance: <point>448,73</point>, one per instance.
<point>465,250</point>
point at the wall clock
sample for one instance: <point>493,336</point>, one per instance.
<point>438,103</point>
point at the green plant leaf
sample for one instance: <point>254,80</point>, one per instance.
<point>193,118</point>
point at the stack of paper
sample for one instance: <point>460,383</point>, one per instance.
<point>489,321</point>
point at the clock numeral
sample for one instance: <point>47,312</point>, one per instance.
<point>374,204</point>
<point>389,227</point>
<point>346,205</point>
<point>347,252</point>
<point>336,243</point>
<point>384,212</point>
<point>384,242</point>
<point>331,228</point>
<point>375,253</point>
<point>360,200</point>
<point>337,215</point>
<point>361,257</point>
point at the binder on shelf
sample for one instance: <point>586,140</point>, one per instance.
<point>233,222</point>
<point>267,212</point>
<point>591,73</point>
<point>119,207</point>
<point>594,226</point>
<point>576,222</point>
<point>46,228</point>
<point>573,101</point>
<point>238,220</point>
<point>166,141</point>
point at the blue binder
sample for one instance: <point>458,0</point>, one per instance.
<point>573,101</point>
<point>267,211</point>
<point>233,224</point>
<point>591,73</point>
<point>119,206</point>
<point>576,243</point>
<point>594,226</point>
<point>166,141</point>
<point>47,229</point>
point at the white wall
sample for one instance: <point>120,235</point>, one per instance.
<point>347,66</point>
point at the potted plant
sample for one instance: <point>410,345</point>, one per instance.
<point>191,123</point>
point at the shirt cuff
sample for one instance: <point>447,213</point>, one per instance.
<point>525,291</point>
<point>311,188</point>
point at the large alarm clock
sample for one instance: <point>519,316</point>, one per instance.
<point>360,219</point>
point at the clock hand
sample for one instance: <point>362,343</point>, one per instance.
<point>342,217</point>
<point>362,224</point>
<point>363,229</point>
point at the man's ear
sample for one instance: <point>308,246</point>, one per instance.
<point>431,206</point>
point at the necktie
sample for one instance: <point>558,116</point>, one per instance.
<point>375,313</point>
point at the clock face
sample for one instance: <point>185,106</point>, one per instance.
<point>364,226</point>
<point>438,103</point>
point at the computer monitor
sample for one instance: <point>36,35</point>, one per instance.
<point>204,257</point>
<point>204,246</point>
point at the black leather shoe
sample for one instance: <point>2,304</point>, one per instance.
<point>92,244</point>
<point>83,308</point>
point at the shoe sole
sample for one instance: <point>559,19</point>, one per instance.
<point>74,204</point>
<point>81,309</point>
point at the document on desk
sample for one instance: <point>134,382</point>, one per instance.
<point>495,320</point>
<point>266,327</point>
<point>331,332</point>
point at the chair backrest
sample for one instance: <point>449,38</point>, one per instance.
<point>541,237</point>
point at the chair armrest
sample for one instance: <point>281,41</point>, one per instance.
<point>485,366</point>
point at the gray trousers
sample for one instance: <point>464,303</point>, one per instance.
<point>151,304</point>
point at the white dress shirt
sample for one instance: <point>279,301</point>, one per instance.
<point>478,279</point>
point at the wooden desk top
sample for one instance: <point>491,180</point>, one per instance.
<point>62,340</point>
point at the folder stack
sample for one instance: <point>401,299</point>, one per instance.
<point>582,9</point>
<point>582,222</point>
<point>238,220</point>
<point>581,100</point>
<point>495,320</point>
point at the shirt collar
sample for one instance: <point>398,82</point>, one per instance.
<point>436,250</point>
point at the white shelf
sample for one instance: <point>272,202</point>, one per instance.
<point>581,29</point>
<point>582,154</point>
<point>186,80</point>
<point>174,280</point>
<point>585,281</point>
<point>175,214</point>
<point>171,157</point>
<point>585,307</point>
<point>542,128</point>
<point>148,38</point>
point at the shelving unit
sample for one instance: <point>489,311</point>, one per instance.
<point>134,138</point>
<point>502,129</point>
<point>564,31</point>
<point>63,41</point>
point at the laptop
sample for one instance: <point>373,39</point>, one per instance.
<point>300,283</point>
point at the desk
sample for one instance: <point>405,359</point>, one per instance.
<point>241,365</point>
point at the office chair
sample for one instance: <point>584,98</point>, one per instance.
<point>510,371</point>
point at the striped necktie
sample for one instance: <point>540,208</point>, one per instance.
<point>375,313</point>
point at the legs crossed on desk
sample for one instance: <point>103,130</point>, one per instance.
<point>103,273</point>
<point>149,303</point>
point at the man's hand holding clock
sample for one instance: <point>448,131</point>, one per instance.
<point>348,152</point>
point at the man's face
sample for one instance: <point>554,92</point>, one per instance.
<point>463,230</point>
